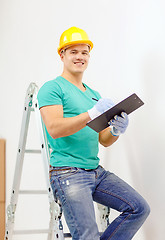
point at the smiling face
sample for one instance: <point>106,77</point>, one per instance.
<point>75,58</point>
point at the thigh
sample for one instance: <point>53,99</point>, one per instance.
<point>115,193</point>
<point>75,194</point>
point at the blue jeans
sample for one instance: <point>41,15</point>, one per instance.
<point>77,188</point>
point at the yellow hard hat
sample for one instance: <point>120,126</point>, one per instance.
<point>73,36</point>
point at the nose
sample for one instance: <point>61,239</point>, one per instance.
<point>79,56</point>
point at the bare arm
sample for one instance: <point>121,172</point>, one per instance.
<point>106,138</point>
<point>58,126</point>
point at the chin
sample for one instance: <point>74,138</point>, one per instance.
<point>80,70</point>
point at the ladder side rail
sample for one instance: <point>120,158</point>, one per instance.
<point>22,141</point>
<point>18,169</point>
<point>21,152</point>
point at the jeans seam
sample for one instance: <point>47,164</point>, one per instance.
<point>101,190</point>
<point>115,230</point>
<point>116,197</point>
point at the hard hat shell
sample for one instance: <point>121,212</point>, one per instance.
<point>73,36</point>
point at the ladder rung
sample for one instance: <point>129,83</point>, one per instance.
<point>33,231</point>
<point>33,192</point>
<point>37,231</point>
<point>32,151</point>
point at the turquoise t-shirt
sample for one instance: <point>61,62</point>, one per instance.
<point>81,148</point>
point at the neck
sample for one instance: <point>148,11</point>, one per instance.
<point>76,79</point>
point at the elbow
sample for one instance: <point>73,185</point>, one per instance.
<point>54,136</point>
<point>104,144</point>
<point>53,132</point>
<point>57,133</point>
<point>108,143</point>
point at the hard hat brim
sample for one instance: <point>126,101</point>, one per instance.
<point>69,44</point>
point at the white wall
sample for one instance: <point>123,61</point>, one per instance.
<point>128,56</point>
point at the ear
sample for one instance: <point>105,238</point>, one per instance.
<point>62,56</point>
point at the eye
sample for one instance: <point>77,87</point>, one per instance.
<point>85,53</point>
<point>73,52</point>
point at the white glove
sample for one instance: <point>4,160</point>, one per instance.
<point>100,107</point>
<point>119,124</point>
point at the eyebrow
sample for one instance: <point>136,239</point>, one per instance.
<point>78,50</point>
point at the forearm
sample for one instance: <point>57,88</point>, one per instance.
<point>62,127</point>
<point>106,138</point>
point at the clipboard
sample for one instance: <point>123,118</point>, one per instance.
<point>128,105</point>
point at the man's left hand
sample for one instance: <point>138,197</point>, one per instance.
<point>119,124</point>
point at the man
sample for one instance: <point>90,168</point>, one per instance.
<point>66,105</point>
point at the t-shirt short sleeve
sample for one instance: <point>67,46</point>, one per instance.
<point>50,94</point>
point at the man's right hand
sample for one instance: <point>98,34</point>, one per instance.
<point>100,107</point>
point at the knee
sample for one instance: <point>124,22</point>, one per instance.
<point>142,209</point>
